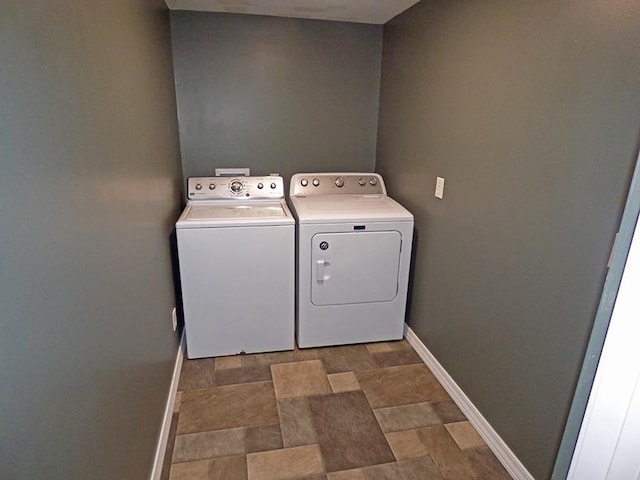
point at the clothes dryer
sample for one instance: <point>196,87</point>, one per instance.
<point>236,253</point>
<point>352,260</point>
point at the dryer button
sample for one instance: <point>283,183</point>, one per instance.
<point>236,186</point>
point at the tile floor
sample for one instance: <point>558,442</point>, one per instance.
<point>359,412</point>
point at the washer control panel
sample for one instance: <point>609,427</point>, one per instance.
<point>303,184</point>
<point>225,188</point>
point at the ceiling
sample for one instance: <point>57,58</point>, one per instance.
<point>360,11</point>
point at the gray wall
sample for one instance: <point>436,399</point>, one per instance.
<point>531,111</point>
<point>275,94</point>
<point>89,189</point>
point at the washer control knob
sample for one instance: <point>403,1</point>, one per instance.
<point>304,182</point>
<point>373,181</point>
<point>212,186</point>
<point>339,182</point>
<point>273,186</point>
<point>198,186</point>
<point>236,186</point>
<point>260,186</point>
<point>316,182</point>
<point>362,182</point>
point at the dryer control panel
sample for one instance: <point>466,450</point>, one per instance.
<point>243,188</point>
<point>304,184</point>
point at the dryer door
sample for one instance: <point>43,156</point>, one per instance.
<point>354,267</point>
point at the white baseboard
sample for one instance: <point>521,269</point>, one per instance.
<point>163,436</point>
<point>500,449</point>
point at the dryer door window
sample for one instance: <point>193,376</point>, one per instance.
<point>355,267</point>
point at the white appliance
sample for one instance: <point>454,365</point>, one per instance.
<point>236,247</point>
<point>353,257</point>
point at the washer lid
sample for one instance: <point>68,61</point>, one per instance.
<point>224,214</point>
<point>348,209</point>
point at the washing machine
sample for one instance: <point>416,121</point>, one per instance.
<point>236,247</point>
<point>353,259</point>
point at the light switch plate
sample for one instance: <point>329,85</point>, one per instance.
<point>439,187</point>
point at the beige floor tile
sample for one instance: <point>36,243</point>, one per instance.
<point>448,411</point>
<point>295,422</point>
<point>271,358</point>
<point>299,379</point>
<point>200,446</point>
<point>343,358</point>
<point>347,475</point>
<point>225,468</point>
<point>446,454</point>
<point>392,346</point>
<point>415,469</point>
<point>232,406</point>
<point>343,382</point>
<point>400,345</point>
<point>347,358</point>
<point>303,354</point>
<point>465,435</point>
<point>224,363</point>
<point>190,471</point>
<point>406,417</point>
<point>228,468</point>
<point>176,403</point>
<point>406,444</point>
<point>396,357</point>
<point>379,347</point>
<point>285,464</point>
<point>198,373</point>
<point>486,464</point>
<point>233,376</point>
<point>400,385</point>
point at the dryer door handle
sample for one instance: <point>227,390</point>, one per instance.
<point>320,276</point>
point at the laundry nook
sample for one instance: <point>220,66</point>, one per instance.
<point>319,239</point>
